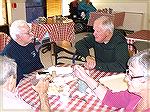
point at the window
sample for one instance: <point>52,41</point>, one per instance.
<point>54,7</point>
<point>35,9</point>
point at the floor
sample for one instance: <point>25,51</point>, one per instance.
<point>48,60</point>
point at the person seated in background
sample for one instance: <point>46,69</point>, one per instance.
<point>110,47</point>
<point>74,9</point>
<point>137,97</point>
<point>86,6</point>
<point>22,50</point>
<point>8,75</point>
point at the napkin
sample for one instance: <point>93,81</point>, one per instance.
<point>60,70</point>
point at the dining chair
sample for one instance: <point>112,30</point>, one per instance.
<point>132,50</point>
<point>63,50</point>
<point>77,57</point>
<point>141,45</point>
<point>46,54</point>
<point>58,51</point>
<point>4,40</point>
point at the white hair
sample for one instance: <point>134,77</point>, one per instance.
<point>143,60</point>
<point>15,28</point>
<point>107,23</point>
<point>8,67</point>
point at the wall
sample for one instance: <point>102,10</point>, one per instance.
<point>137,17</point>
<point>16,13</point>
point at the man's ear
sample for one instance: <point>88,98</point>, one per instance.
<point>17,36</point>
<point>108,33</point>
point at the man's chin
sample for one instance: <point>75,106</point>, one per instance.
<point>98,41</point>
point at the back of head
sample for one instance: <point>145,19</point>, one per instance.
<point>105,22</point>
<point>7,68</point>
<point>142,59</point>
<point>15,28</point>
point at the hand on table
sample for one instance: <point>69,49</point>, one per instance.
<point>90,62</point>
<point>42,86</point>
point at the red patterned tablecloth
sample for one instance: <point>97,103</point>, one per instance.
<point>75,104</point>
<point>118,17</point>
<point>4,40</point>
<point>142,35</point>
<point>56,31</point>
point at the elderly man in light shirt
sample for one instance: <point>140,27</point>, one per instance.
<point>10,101</point>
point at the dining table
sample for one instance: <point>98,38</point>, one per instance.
<point>117,17</point>
<point>58,30</point>
<point>142,35</point>
<point>4,40</point>
<point>75,102</point>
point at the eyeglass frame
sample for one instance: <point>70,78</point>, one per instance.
<point>132,77</point>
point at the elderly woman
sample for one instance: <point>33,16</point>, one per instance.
<point>8,75</point>
<point>137,97</point>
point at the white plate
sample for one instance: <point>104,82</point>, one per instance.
<point>63,80</point>
<point>55,89</point>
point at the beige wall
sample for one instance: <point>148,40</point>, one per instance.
<point>137,16</point>
<point>132,20</point>
<point>19,12</point>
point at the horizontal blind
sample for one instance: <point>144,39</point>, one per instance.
<point>54,7</point>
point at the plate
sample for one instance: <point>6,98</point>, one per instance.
<point>55,89</point>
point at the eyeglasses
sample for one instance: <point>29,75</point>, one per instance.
<point>129,75</point>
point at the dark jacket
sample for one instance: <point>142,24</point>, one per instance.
<point>110,57</point>
<point>26,57</point>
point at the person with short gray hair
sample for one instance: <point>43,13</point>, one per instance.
<point>8,75</point>
<point>22,50</point>
<point>110,47</point>
<point>137,96</point>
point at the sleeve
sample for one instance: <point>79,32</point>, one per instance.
<point>122,99</point>
<point>7,52</point>
<point>82,7</point>
<point>120,64</point>
<point>83,46</point>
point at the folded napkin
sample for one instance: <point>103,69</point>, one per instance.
<point>60,70</point>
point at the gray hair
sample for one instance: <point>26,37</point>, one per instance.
<point>107,23</point>
<point>143,60</point>
<point>7,68</point>
<point>15,28</point>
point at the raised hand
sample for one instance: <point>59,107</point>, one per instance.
<point>91,63</point>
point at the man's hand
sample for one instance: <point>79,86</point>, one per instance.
<point>91,63</point>
<point>42,86</point>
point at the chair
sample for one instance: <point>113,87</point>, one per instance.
<point>4,40</point>
<point>63,50</point>
<point>75,15</point>
<point>46,54</point>
<point>132,49</point>
<point>57,50</point>
<point>141,45</point>
<point>78,57</point>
